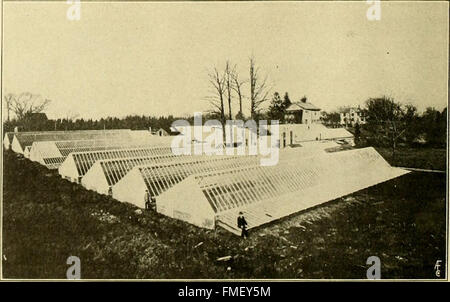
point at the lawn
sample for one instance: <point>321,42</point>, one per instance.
<point>424,158</point>
<point>47,219</point>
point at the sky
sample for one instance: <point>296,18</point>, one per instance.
<point>125,58</point>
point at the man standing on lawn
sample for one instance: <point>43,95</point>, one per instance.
<point>242,224</point>
<point>147,200</point>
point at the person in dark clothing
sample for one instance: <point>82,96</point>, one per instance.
<point>110,192</point>
<point>147,200</point>
<point>242,224</point>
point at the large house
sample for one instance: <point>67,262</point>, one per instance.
<point>352,116</point>
<point>302,112</point>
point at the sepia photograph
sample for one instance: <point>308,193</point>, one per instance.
<point>224,140</point>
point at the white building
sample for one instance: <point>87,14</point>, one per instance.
<point>302,112</point>
<point>299,134</point>
<point>352,116</point>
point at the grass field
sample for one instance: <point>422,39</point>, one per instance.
<point>47,219</point>
<point>424,158</point>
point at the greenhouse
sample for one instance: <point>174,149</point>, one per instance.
<point>106,173</point>
<point>76,165</point>
<point>26,152</point>
<point>266,194</point>
<point>59,150</point>
<point>23,139</point>
<point>9,136</point>
<point>53,153</point>
<point>7,140</point>
<point>291,134</point>
<point>157,178</point>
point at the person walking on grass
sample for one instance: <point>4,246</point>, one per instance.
<point>242,224</point>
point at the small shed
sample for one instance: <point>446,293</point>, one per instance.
<point>162,132</point>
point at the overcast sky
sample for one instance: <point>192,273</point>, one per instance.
<point>153,58</point>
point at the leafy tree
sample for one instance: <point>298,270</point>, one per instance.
<point>357,133</point>
<point>276,109</point>
<point>434,126</point>
<point>240,116</point>
<point>332,118</point>
<point>388,120</point>
<point>278,106</point>
<point>286,101</point>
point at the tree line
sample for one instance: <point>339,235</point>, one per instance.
<point>390,123</point>
<point>26,111</point>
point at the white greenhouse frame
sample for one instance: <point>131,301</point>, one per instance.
<point>265,194</point>
<point>157,178</point>
<point>23,139</point>
<point>106,173</point>
<point>77,164</point>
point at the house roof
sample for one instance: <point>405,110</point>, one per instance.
<point>302,106</point>
<point>37,115</point>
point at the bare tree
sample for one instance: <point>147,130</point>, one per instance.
<point>228,79</point>
<point>258,89</point>
<point>217,94</point>
<point>27,103</point>
<point>237,87</point>
<point>9,101</point>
